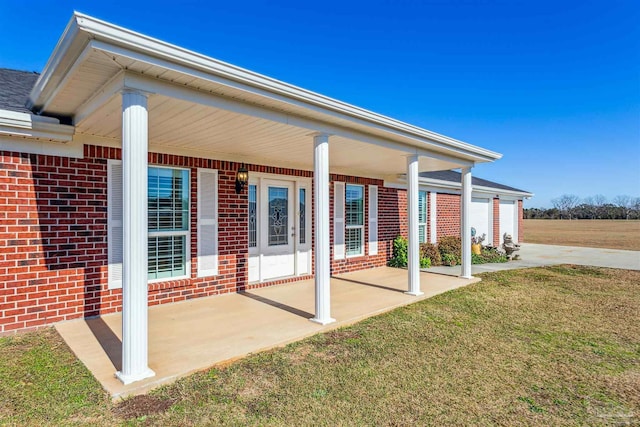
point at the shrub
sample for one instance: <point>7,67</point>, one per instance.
<point>448,259</point>
<point>425,262</point>
<point>399,258</point>
<point>450,245</point>
<point>429,250</point>
<point>488,256</point>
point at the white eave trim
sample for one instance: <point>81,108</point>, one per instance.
<point>91,28</point>
<point>13,123</point>
<point>438,184</point>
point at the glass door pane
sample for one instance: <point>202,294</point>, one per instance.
<point>278,233</point>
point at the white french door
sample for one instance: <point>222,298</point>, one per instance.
<point>279,227</point>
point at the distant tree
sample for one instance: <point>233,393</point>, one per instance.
<point>565,204</point>
<point>584,211</point>
<point>570,206</point>
<point>598,202</point>
<point>624,203</point>
<point>635,207</point>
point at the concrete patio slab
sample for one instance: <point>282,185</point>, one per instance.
<point>189,336</point>
<point>535,255</point>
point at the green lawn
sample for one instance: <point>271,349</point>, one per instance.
<point>545,346</point>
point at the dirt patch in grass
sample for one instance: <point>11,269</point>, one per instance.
<point>141,406</point>
<point>610,234</point>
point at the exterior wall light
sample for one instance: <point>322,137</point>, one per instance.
<point>242,177</point>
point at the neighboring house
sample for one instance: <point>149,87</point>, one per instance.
<point>122,169</point>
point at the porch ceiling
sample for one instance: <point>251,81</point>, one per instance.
<point>182,127</point>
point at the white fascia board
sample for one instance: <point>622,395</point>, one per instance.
<point>476,188</point>
<point>438,185</point>
<point>57,65</point>
<point>83,28</point>
<point>27,125</point>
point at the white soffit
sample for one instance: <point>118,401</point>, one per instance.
<point>227,135</point>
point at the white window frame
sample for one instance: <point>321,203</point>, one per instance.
<point>186,233</point>
<point>423,224</point>
<point>255,184</point>
<point>373,219</point>
<point>360,227</point>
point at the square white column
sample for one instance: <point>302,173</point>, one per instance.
<point>413,263</point>
<point>135,232</point>
<point>321,223</point>
<point>465,222</point>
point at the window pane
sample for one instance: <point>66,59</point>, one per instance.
<point>422,207</point>
<point>253,234</point>
<point>303,229</point>
<point>422,234</point>
<point>278,216</point>
<point>167,257</point>
<point>168,199</point>
<point>353,241</point>
<point>354,205</point>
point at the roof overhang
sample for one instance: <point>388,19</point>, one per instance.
<point>31,126</point>
<point>440,185</point>
<point>94,60</point>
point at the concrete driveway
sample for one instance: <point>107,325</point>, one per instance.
<point>534,255</point>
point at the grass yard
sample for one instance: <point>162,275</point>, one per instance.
<point>597,233</point>
<point>544,346</point>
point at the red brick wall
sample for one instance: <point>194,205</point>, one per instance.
<point>496,221</point>
<point>448,215</point>
<point>520,222</point>
<point>53,236</point>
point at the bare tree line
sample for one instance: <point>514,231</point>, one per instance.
<point>570,206</point>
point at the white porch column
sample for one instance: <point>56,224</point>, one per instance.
<point>414,243</point>
<point>465,223</point>
<point>321,224</point>
<point>134,261</point>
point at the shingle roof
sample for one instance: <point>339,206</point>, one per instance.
<point>15,87</point>
<point>453,176</point>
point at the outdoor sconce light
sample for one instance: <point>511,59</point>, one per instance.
<point>242,177</point>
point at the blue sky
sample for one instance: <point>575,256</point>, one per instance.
<point>554,86</point>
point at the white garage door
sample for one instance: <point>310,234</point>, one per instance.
<point>508,221</point>
<point>481,218</point>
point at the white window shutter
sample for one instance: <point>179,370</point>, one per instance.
<point>433,217</point>
<point>114,223</point>
<point>207,222</point>
<point>338,220</point>
<point>373,220</point>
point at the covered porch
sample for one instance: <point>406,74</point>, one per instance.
<point>197,334</point>
<point>143,97</point>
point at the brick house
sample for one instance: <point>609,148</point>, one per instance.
<point>136,173</point>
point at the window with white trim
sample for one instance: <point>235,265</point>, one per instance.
<point>422,216</point>
<point>303,215</point>
<point>168,214</point>
<point>354,220</point>
<point>253,215</point>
